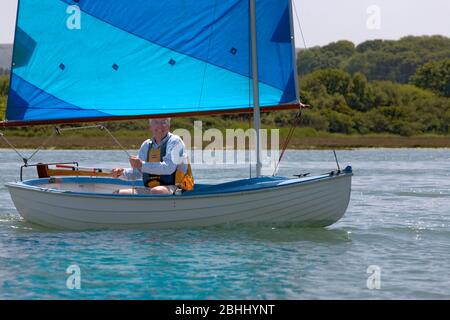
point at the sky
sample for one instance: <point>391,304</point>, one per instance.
<point>325,21</point>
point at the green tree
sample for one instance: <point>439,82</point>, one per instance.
<point>333,80</point>
<point>435,76</point>
<point>390,60</point>
<point>327,57</point>
<point>360,96</point>
<point>339,122</point>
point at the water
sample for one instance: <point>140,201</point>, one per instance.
<point>398,220</point>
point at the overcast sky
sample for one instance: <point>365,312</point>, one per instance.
<point>325,21</point>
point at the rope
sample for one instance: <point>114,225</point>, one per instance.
<point>133,186</point>
<point>300,25</point>
<point>117,141</point>
<point>12,147</point>
<point>22,157</point>
<point>56,131</point>
<point>102,127</point>
<point>298,118</point>
<point>59,131</point>
<point>80,128</point>
<point>295,124</point>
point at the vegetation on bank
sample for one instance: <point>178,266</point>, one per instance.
<point>382,88</point>
<point>389,60</point>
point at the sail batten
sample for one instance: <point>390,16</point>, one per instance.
<point>135,59</point>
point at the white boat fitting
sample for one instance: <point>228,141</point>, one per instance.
<point>83,203</point>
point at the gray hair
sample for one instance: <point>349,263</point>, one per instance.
<point>151,119</point>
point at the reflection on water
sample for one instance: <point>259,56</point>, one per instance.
<point>398,220</point>
<point>288,234</point>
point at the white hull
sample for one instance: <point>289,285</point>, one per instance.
<point>301,202</point>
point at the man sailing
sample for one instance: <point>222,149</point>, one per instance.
<point>161,163</point>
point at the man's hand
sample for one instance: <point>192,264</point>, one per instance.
<point>117,172</point>
<point>135,162</point>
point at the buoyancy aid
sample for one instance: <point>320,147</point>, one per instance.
<point>184,180</point>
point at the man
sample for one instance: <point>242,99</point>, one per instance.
<point>160,163</point>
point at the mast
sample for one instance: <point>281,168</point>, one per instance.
<point>255,78</point>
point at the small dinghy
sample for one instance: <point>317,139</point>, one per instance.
<point>82,203</point>
<point>98,61</point>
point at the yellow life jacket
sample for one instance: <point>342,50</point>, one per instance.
<point>183,180</point>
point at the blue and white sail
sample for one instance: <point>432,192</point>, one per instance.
<point>127,59</point>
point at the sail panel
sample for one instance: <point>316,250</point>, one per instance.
<point>134,58</point>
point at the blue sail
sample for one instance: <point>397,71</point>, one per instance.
<point>147,57</point>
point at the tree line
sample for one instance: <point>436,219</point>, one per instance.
<point>380,86</point>
<point>399,87</point>
<point>391,60</point>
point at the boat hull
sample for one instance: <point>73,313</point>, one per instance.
<point>301,202</point>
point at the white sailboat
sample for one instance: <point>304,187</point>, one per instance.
<point>207,57</point>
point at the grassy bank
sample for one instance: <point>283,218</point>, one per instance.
<point>303,139</point>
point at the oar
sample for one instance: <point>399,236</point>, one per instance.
<point>73,168</point>
<point>67,170</point>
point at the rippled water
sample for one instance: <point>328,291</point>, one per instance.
<point>398,220</point>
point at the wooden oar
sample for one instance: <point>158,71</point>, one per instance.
<point>74,168</point>
<point>67,170</point>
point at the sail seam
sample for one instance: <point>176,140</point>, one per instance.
<point>53,96</point>
<point>96,110</point>
<point>174,50</point>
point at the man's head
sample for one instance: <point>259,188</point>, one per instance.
<point>159,127</point>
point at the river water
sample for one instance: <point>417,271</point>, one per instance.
<point>393,242</point>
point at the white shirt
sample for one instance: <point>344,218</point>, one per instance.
<point>175,156</point>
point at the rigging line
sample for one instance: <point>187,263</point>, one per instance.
<point>289,136</point>
<point>306,47</point>
<point>23,158</point>
<point>44,143</point>
<point>58,131</point>
<point>101,127</point>
<point>117,141</point>
<point>12,147</point>
<point>80,128</point>
<point>300,25</point>
<point>133,186</point>
<point>207,56</point>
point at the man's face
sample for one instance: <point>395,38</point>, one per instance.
<point>160,127</point>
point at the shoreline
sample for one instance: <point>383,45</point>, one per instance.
<point>297,143</point>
